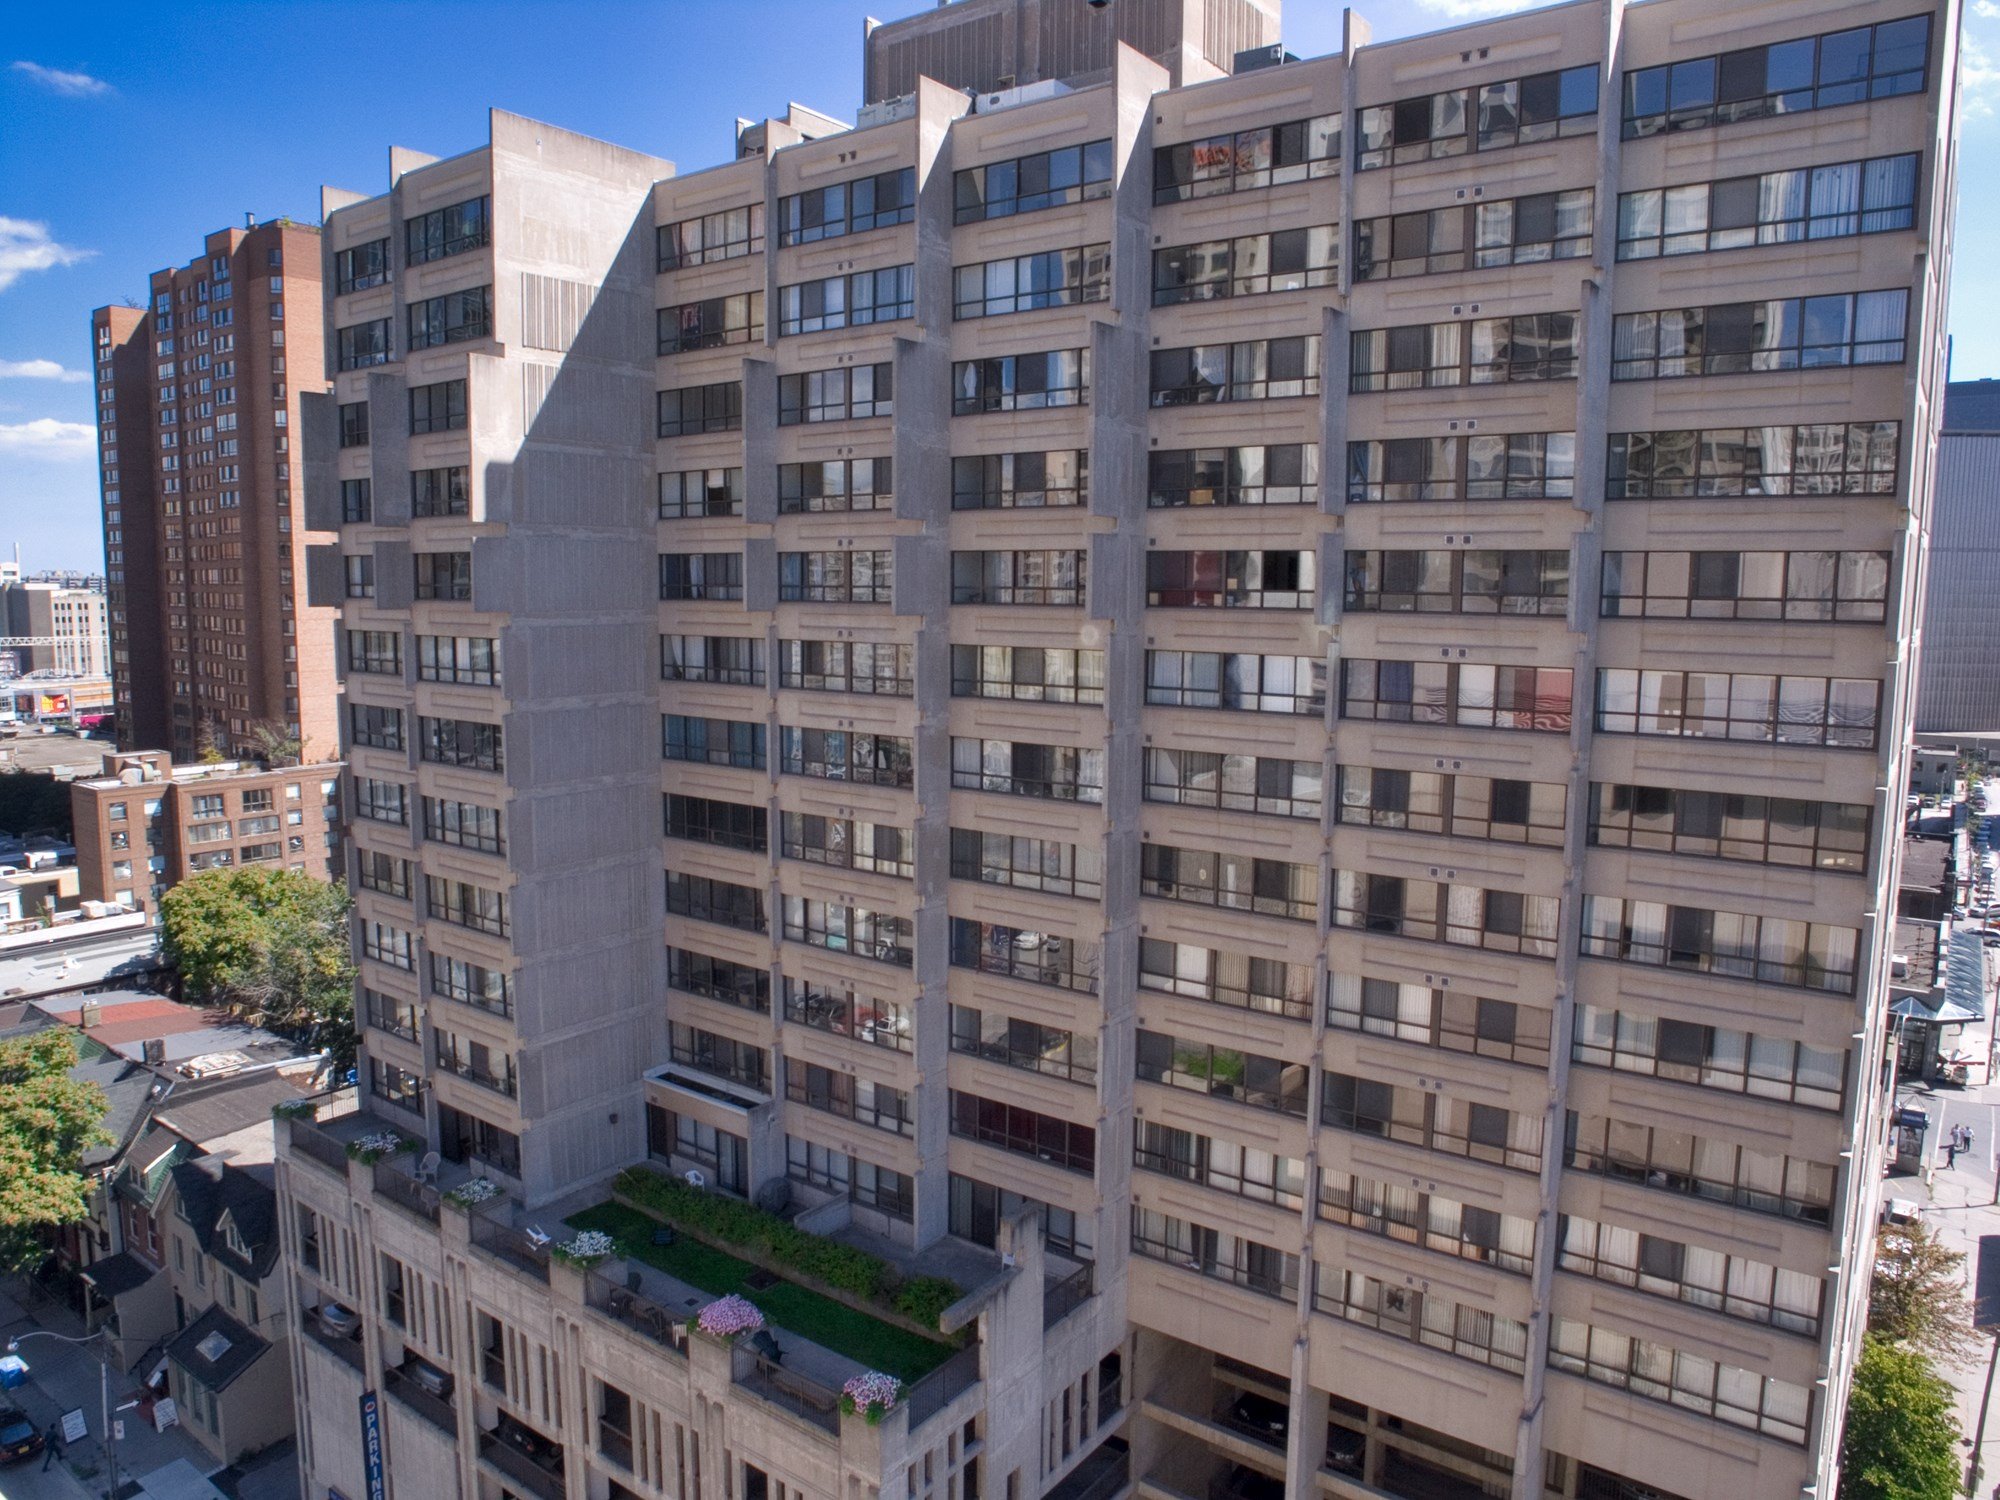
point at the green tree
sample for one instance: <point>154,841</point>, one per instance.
<point>270,946</point>
<point>1902,1438</point>
<point>1917,1294</point>
<point>34,802</point>
<point>47,1119</point>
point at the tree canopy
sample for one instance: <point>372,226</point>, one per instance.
<point>1902,1436</point>
<point>1917,1294</point>
<point>47,1119</point>
<point>34,802</point>
<point>269,945</point>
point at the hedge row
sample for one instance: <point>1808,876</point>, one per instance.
<point>842,1267</point>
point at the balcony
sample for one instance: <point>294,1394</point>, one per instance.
<point>347,1347</point>
<point>1062,1297</point>
<point>433,1409</point>
<point>309,1140</point>
<point>641,1314</point>
<point>512,1246</point>
<point>797,1393</point>
<point>403,1190</point>
<point>524,1457</point>
<point>1100,1476</point>
<point>1256,1417</point>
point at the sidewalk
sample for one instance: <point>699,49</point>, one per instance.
<point>65,1377</point>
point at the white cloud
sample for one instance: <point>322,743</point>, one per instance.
<point>1986,10</point>
<point>69,85</point>
<point>25,246</point>
<point>39,369</point>
<point>45,437</point>
<point>1978,76</point>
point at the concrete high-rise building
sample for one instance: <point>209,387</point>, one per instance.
<point>1958,692</point>
<point>212,643</point>
<point>1282,698</point>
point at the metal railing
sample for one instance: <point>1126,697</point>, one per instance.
<point>641,1314</point>
<point>403,1190</point>
<point>309,1140</point>
<point>798,1394</point>
<point>426,1404</point>
<point>507,1243</point>
<point>943,1385</point>
<point>1061,1298</point>
<point>348,1348</point>
<point>547,1483</point>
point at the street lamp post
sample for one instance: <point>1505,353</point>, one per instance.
<point>103,1397</point>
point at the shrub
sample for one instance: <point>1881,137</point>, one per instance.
<point>923,1299</point>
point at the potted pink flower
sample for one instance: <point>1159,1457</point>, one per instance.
<point>727,1318</point>
<point>871,1396</point>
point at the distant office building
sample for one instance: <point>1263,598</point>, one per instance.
<point>1958,690</point>
<point>211,639</point>
<point>53,624</point>
<point>148,824</point>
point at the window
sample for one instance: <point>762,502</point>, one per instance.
<point>1046,1138</point>
<point>1231,580</point>
<point>719,979</point>
<point>1530,698</point>
<point>466,905</point>
<point>1214,1253</point>
<point>1224,1073</point>
<point>437,408</point>
<point>1814,72</point>
<point>1742,1398</point>
<point>1244,160</point>
<point>884,669</point>
<point>1420,1117</point>
<point>1739,338</point>
<point>711,323</point>
<point>1697,1166</point>
<point>1046,278</point>
<point>1710,1057</point>
<point>464,824</point>
<point>381,801</point>
<point>841,208</point>
<point>882,936</point>
<point>1038,577</point>
<point>359,571</point>
<point>361,267</point>
<point>846,755</point>
<point>837,395</point>
<point>354,424</point>
<point>1436,1222</point>
<point>451,319</point>
<point>726,234</point>
<point>1462,805</point>
<point>443,575</point>
<point>1746,585</point>
<point>1030,674</point>
<point>446,231</point>
<point>1236,681</point>
<point>1486,351</point>
<point>717,901</point>
<point>854,300</point>
<point>691,493</point>
<point>470,984</point>
<point>1480,582</point>
<point>1003,481</point>
<point>1770,950</point>
<point>357,501</point>
<point>1258,370</point>
<point>857,1099</point>
<point>382,873</point>
<point>1021,769</point>
<point>1027,1045</point>
<point>724,1057</point>
<point>1500,921</point>
<point>701,408</point>
<point>1235,882</point>
<point>1839,712</point>
<point>1498,466</point>
<point>1246,1171</point>
<point>440,492</point>
<point>1818,458</point>
<point>1446,1019</point>
<point>712,742</point>
<point>1424,1317</point>
<point>1037,957</point>
<point>1760,830</point>
<point>857,577</point>
<point>379,651</point>
<point>1029,864</point>
<point>1267,985</point>
<point>467,660</point>
<point>1234,782</point>
<point>1776,208</point>
<point>848,844</point>
<point>1489,117</point>
<point>386,945</point>
<point>460,742</point>
<point>1048,179</point>
<point>1021,382</point>
<point>837,484</point>
<point>1288,260</point>
<point>844,1012</point>
<point>362,345</point>
<point>705,820</point>
<point>1279,474</point>
<point>701,575</point>
<point>1510,232</point>
<point>730,660</point>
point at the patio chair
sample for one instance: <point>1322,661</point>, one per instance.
<point>767,1347</point>
<point>426,1169</point>
<point>535,1235</point>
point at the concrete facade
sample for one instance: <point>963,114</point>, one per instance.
<point>1237,665</point>
<point>62,625</point>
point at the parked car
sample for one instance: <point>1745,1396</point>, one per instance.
<point>19,1437</point>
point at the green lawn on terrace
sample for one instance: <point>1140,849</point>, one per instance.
<point>833,1325</point>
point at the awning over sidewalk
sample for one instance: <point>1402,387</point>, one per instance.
<point>179,1480</point>
<point>1965,973</point>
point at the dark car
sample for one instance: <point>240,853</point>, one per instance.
<point>19,1438</point>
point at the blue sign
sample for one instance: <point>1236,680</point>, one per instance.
<point>371,1444</point>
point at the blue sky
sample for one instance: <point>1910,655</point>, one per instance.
<point>129,131</point>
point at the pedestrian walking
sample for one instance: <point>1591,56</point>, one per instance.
<point>1951,1153</point>
<point>51,1446</point>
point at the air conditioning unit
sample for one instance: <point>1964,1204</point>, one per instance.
<point>428,1377</point>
